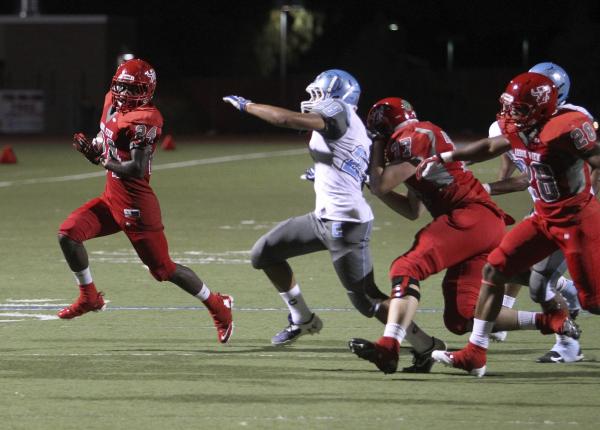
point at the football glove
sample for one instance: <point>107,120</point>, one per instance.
<point>427,165</point>
<point>89,150</point>
<point>237,102</point>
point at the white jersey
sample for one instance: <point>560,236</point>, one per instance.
<point>341,153</point>
<point>494,131</point>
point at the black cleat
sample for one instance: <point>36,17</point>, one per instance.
<point>422,362</point>
<point>386,360</point>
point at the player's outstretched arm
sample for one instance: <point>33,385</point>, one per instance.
<point>134,168</point>
<point>508,185</point>
<point>277,116</point>
<point>481,150</point>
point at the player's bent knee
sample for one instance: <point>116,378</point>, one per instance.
<point>362,303</point>
<point>458,321</point>
<point>258,254</point>
<point>65,241</point>
<point>493,276</point>
<point>456,324</point>
<point>163,272</point>
<point>263,254</point>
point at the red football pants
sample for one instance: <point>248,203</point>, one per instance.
<point>535,238</point>
<point>94,219</point>
<point>460,242</point>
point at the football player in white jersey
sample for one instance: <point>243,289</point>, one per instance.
<point>342,220</point>
<point>546,276</point>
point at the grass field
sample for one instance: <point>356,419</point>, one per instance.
<point>151,361</point>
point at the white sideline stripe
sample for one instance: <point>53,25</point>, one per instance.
<point>175,165</point>
<point>58,306</point>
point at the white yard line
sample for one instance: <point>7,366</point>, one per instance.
<point>176,165</point>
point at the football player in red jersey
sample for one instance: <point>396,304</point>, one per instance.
<point>557,148</point>
<point>129,129</point>
<point>467,226</point>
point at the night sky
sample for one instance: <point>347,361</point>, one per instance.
<point>218,38</point>
<point>218,46</point>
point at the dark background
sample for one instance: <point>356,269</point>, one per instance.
<point>203,50</point>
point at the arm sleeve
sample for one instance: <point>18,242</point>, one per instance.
<point>335,115</point>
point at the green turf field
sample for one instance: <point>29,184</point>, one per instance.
<point>151,361</point>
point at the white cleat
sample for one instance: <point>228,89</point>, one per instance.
<point>447,359</point>
<point>565,350</point>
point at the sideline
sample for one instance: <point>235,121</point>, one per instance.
<point>166,166</point>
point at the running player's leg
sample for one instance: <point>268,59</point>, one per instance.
<point>93,219</point>
<point>293,237</point>
<point>152,248</point>
<point>520,248</point>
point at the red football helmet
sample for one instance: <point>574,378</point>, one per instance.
<point>133,85</point>
<point>530,98</point>
<point>387,114</point>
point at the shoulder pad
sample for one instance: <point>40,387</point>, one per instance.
<point>562,124</point>
<point>329,108</point>
<point>148,115</point>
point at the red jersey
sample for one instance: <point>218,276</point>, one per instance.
<point>131,198</point>
<point>554,156</point>
<point>450,185</point>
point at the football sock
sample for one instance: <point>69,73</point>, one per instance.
<point>508,301</point>
<point>395,331</point>
<point>204,293</point>
<point>296,304</point>
<point>481,331</point>
<point>83,277</point>
<point>526,320</point>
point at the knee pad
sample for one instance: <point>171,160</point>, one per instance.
<point>362,303</point>
<point>401,287</point>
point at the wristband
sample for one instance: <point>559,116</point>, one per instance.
<point>487,188</point>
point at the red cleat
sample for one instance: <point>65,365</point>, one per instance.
<point>220,311</point>
<point>83,305</point>
<point>383,353</point>
<point>557,321</point>
<point>471,358</point>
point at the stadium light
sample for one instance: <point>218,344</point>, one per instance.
<point>393,27</point>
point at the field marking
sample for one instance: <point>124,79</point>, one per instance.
<point>16,309</point>
<point>174,165</point>
<point>129,256</point>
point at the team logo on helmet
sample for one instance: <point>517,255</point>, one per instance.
<point>151,75</point>
<point>541,94</point>
<point>124,76</point>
